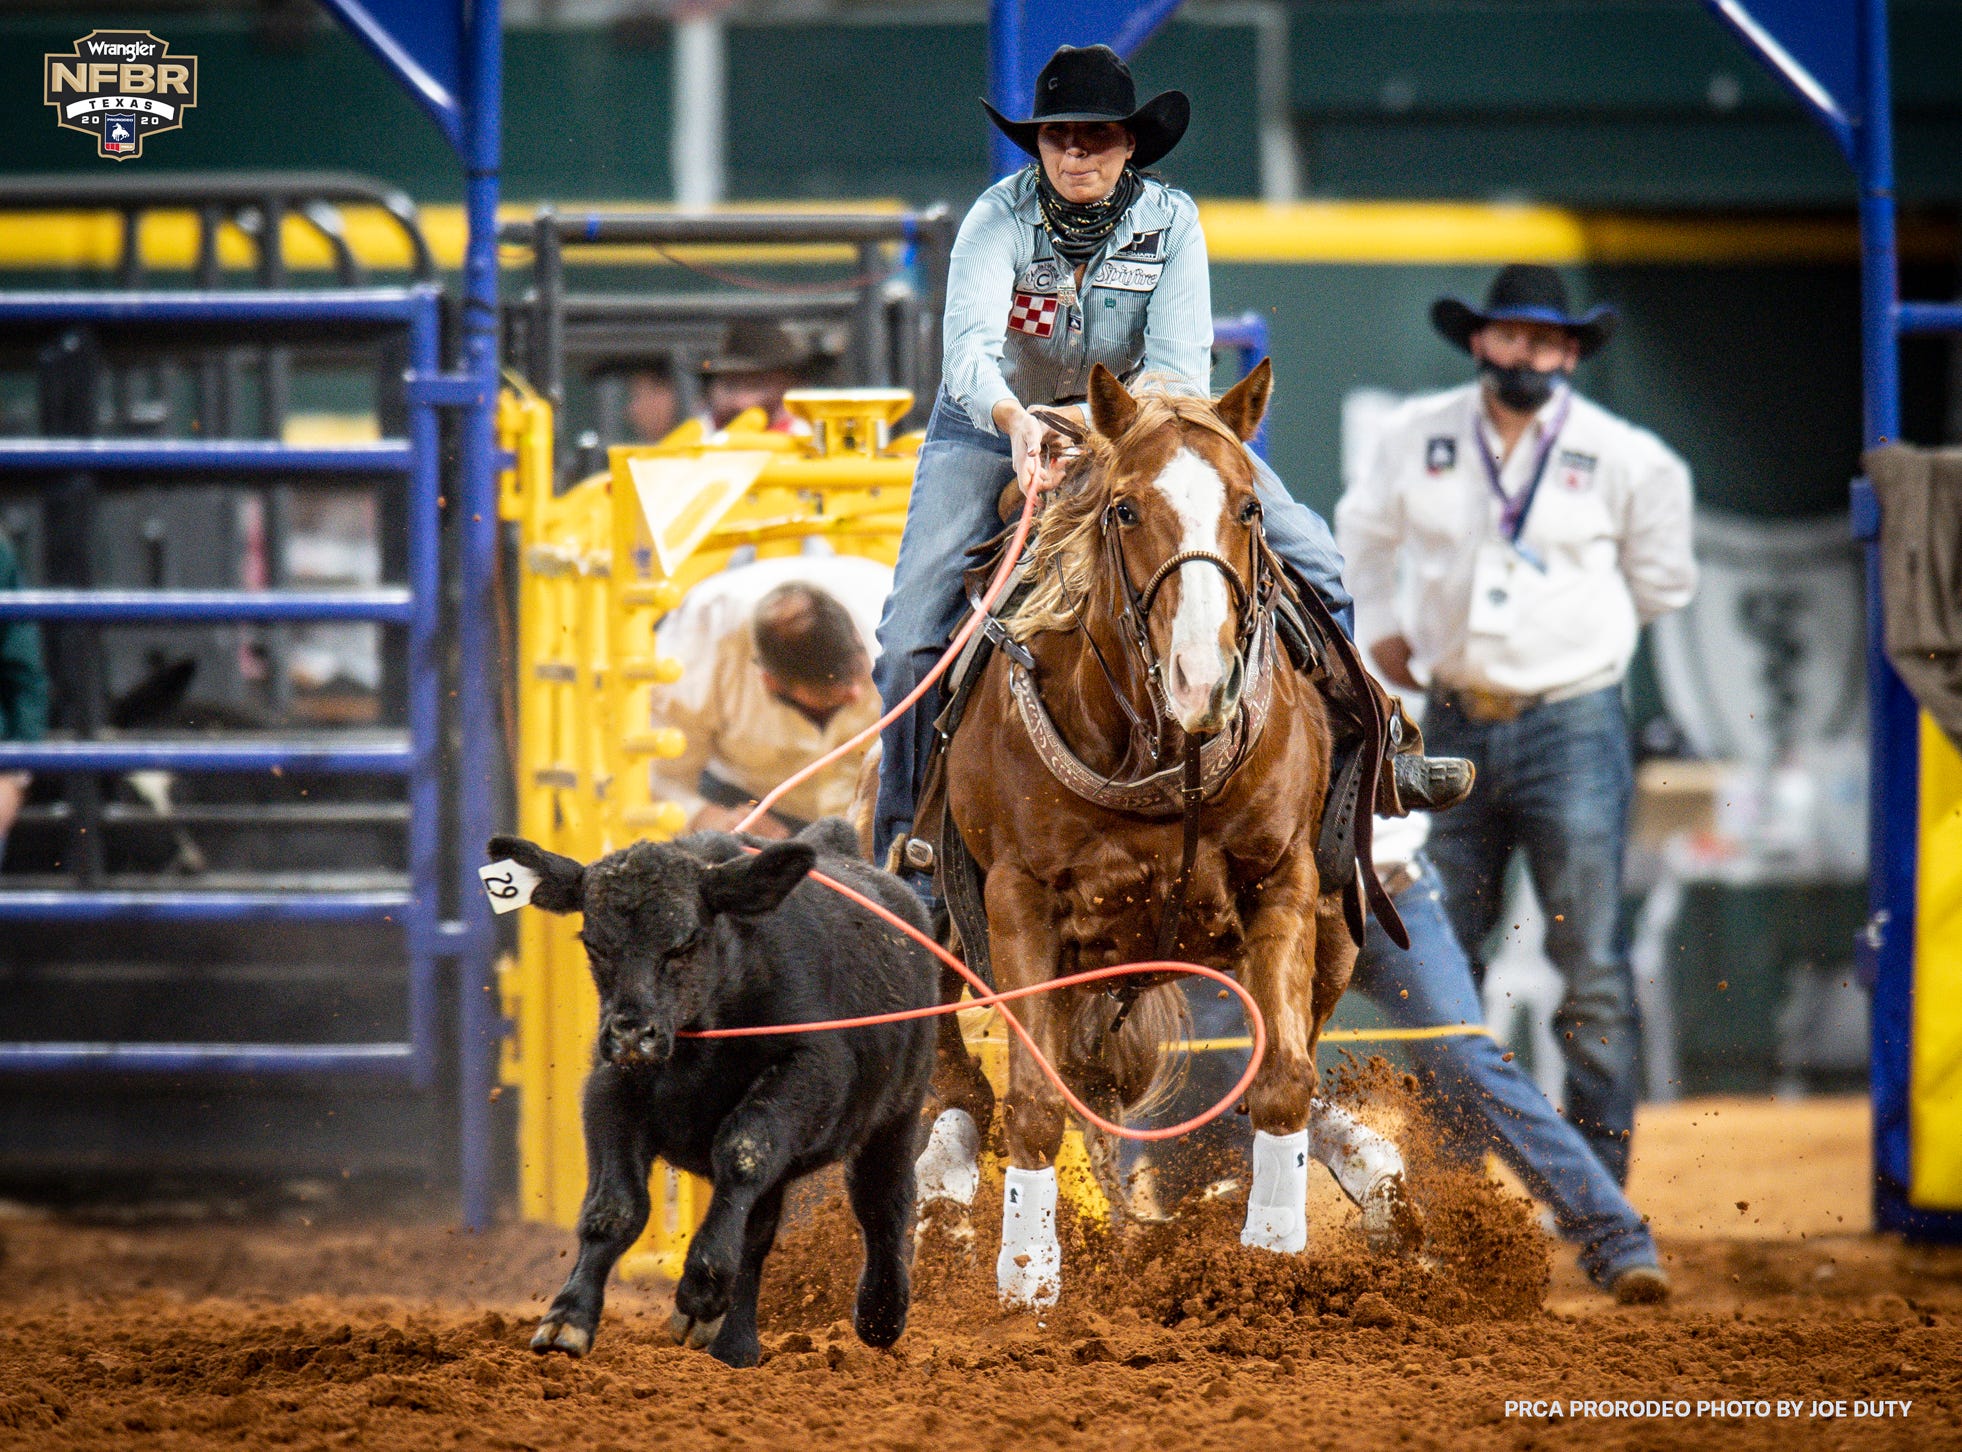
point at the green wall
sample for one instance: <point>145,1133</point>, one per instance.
<point>1749,372</point>
<point>1601,102</point>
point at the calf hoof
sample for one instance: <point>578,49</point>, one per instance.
<point>692,1332</point>
<point>556,1335</point>
<point>1391,1223</point>
<point>879,1309</point>
<point>736,1349</point>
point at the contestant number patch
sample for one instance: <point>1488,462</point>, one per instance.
<point>509,885</point>
<point>1033,314</point>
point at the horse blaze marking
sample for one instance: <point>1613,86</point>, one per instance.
<point>1198,496</point>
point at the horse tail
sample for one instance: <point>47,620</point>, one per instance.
<point>1144,1061</point>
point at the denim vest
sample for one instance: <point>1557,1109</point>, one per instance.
<point>1018,325</point>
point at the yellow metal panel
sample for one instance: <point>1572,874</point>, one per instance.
<point>591,590</point>
<point>1935,1067</point>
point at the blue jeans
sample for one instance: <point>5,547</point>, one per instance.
<point>961,474</point>
<point>1555,782</point>
<point>1481,1102</point>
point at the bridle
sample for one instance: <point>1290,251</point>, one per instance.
<point>1255,602</point>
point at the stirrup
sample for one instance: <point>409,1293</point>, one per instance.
<point>1432,783</point>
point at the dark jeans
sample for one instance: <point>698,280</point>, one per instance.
<point>1480,1100</point>
<point>1555,783</point>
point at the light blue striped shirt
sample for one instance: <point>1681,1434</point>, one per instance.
<point>1145,305</point>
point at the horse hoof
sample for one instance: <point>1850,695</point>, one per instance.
<point>1281,1229</point>
<point>1391,1224</point>
<point>696,1335</point>
<point>1030,1282</point>
<point>553,1335</point>
<point>949,1220</point>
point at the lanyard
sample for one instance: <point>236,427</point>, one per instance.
<point>1513,511</point>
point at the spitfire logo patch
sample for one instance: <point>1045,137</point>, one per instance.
<point>1127,276</point>
<point>121,87</point>
<point>1440,455</point>
<point>1576,471</point>
<point>1033,314</point>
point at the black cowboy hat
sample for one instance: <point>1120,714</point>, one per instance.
<point>1092,83</point>
<point>1523,293</point>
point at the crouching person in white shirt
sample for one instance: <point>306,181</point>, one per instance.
<point>1504,550</point>
<point>776,670</point>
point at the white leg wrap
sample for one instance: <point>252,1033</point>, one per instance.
<point>949,1168</point>
<point>1277,1208</point>
<point>1029,1271</point>
<point>1355,1154</point>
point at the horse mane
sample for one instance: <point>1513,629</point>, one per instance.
<point>1069,549</point>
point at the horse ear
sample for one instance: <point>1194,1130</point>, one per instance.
<point>1244,405</point>
<point>1111,406</point>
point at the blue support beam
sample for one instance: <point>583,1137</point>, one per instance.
<point>1022,34</point>
<point>1834,56</point>
<point>482,759</point>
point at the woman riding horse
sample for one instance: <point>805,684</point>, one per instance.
<point>1078,259</point>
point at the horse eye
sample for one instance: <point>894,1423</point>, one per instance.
<point>1126,515</point>
<point>1250,511</point>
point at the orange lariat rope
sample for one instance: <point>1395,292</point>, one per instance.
<point>984,996</point>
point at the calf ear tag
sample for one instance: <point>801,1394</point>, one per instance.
<point>508,885</point>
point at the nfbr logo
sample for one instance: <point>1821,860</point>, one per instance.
<point>121,87</point>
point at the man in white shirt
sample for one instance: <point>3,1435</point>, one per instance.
<point>776,670</point>
<point>1504,550</point>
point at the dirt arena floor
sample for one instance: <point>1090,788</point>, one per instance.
<point>320,1328</point>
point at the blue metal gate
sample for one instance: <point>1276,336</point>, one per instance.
<point>415,604</point>
<point>448,57</point>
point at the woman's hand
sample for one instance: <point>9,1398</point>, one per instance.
<point>1028,439</point>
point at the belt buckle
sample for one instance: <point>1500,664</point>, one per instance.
<point>1490,706</point>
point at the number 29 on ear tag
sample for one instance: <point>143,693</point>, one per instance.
<point>507,884</point>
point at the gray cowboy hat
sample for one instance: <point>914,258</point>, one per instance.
<point>1524,293</point>
<point>1092,83</point>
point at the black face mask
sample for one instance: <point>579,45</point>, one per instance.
<point>1520,387</point>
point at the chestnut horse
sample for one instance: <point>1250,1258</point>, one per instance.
<point>1149,622</point>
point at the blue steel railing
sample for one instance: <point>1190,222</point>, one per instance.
<point>1246,335</point>
<point>417,605</point>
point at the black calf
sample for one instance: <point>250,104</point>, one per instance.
<point>697,934</point>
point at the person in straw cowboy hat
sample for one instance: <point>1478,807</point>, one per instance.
<point>1537,534</point>
<point>1081,257</point>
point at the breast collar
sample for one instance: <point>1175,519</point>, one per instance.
<point>1159,794</point>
